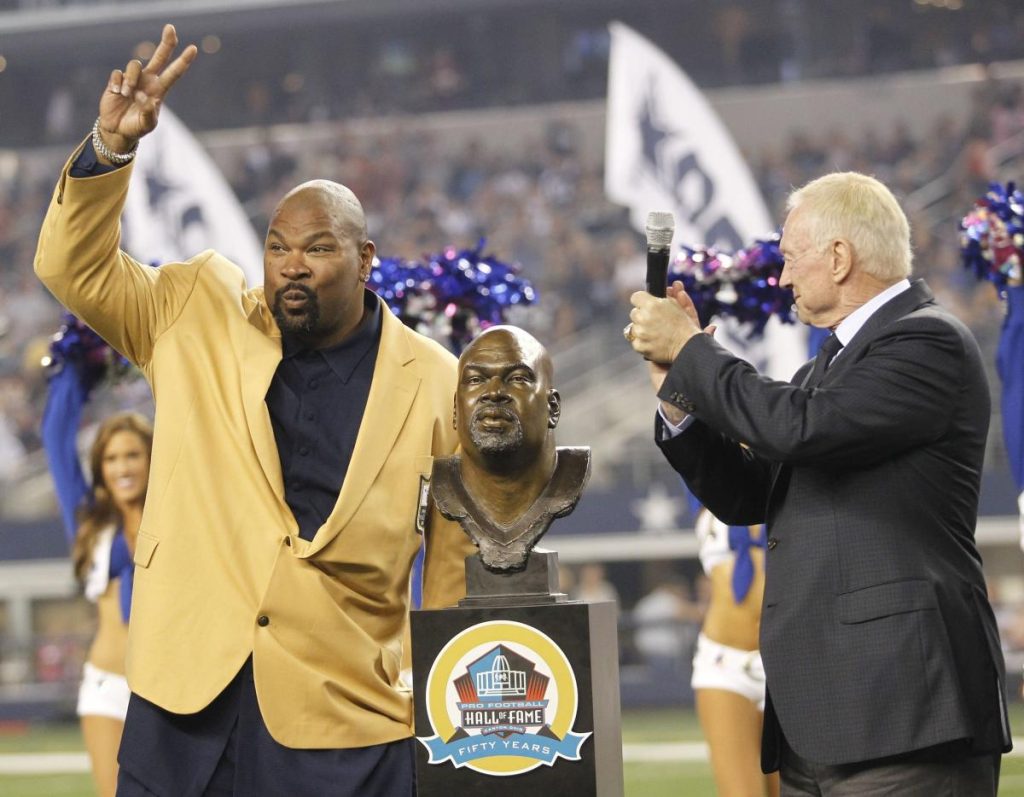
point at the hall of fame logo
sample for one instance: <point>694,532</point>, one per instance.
<point>501,700</point>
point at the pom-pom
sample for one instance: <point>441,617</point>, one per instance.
<point>453,295</point>
<point>78,344</point>
<point>744,285</point>
<point>992,236</point>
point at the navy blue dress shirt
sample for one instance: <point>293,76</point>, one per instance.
<point>316,402</point>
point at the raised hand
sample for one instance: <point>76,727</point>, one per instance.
<point>659,328</point>
<point>131,102</point>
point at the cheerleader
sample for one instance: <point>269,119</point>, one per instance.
<point>728,679</point>
<point>101,523</point>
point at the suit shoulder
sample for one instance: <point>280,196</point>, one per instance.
<point>934,319</point>
<point>431,351</point>
<point>220,268</point>
<point>212,269</point>
<point>935,336</point>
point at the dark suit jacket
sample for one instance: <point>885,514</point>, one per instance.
<point>877,636</point>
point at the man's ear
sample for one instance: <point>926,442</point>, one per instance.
<point>554,408</point>
<point>455,414</point>
<point>840,260</point>
<point>366,253</point>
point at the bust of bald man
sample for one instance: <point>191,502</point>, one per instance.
<point>509,481</point>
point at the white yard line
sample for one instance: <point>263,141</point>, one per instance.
<point>43,763</point>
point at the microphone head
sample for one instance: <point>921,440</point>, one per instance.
<point>660,227</point>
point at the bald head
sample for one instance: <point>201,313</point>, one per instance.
<point>338,200</point>
<point>509,338</point>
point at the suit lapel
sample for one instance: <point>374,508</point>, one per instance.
<point>915,296</point>
<point>391,396</point>
<point>260,358</point>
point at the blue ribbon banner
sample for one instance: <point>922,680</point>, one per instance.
<point>467,749</point>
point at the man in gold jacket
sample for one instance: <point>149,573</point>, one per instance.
<point>295,430</point>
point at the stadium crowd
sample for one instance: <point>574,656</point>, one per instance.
<point>439,58</point>
<point>542,206</point>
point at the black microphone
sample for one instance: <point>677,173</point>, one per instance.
<point>660,227</point>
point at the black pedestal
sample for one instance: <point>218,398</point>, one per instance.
<point>517,700</point>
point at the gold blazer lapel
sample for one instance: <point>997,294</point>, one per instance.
<point>260,357</point>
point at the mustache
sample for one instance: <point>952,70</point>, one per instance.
<point>504,413</point>
<point>294,286</point>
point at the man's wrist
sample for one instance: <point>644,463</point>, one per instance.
<point>112,149</point>
<point>672,414</point>
<point>684,338</point>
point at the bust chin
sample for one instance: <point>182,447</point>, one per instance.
<point>505,547</point>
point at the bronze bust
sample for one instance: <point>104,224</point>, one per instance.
<point>509,481</point>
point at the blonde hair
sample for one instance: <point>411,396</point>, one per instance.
<point>861,210</point>
<point>98,510</point>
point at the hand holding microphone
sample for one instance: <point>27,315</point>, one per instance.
<point>659,229</point>
<point>658,329</point>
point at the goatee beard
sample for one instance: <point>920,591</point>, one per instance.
<point>492,443</point>
<point>305,324</point>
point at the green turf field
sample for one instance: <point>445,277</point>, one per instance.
<point>642,779</point>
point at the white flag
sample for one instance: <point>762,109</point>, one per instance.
<point>666,149</point>
<point>180,204</point>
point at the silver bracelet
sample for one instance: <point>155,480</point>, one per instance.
<point>120,158</point>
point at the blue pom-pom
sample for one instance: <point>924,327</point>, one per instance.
<point>744,285</point>
<point>992,236</point>
<point>78,344</point>
<point>451,295</point>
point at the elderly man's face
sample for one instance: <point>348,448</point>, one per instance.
<point>806,272</point>
<point>504,403</point>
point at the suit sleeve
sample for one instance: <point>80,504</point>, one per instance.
<point>79,260</point>
<point>444,571</point>
<point>446,545</point>
<point>712,466</point>
<point>897,393</point>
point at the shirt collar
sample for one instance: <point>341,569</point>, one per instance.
<point>346,356</point>
<point>852,324</point>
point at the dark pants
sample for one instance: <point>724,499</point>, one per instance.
<point>226,750</point>
<point>943,771</point>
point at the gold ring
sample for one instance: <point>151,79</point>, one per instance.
<point>627,332</point>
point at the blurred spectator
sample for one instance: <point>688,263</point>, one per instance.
<point>60,114</point>
<point>446,80</point>
<point>593,586</point>
<point>665,624</point>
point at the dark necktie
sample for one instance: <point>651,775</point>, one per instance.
<point>828,350</point>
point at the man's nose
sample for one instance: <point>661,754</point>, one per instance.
<point>495,390</point>
<point>784,278</point>
<point>295,266</point>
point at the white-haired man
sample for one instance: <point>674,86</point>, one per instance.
<point>881,652</point>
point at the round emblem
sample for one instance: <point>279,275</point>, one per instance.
<point>501,700</point>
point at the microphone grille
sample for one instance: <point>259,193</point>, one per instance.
<point>660,226</point>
